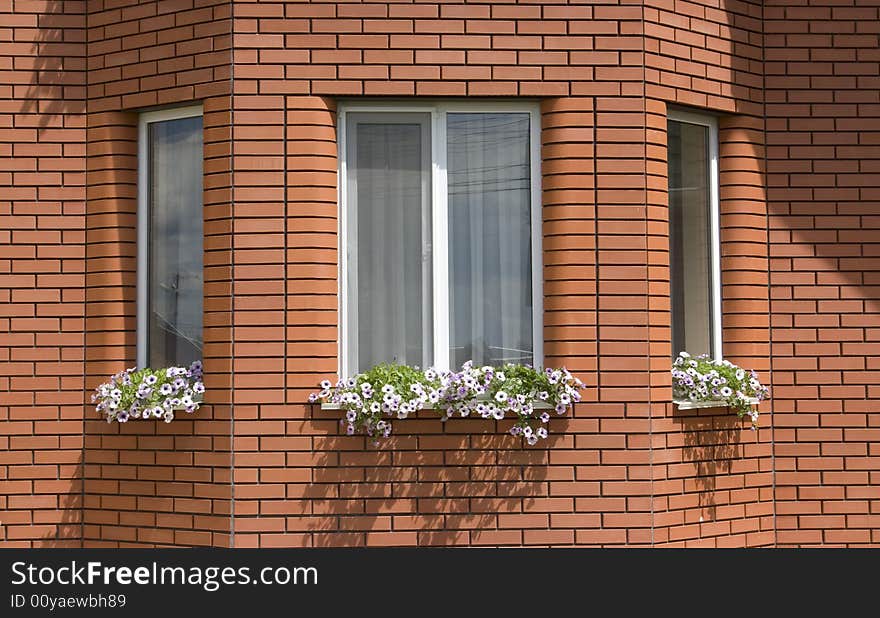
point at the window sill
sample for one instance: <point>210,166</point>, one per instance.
<point>694,405</point>
<point>537,405</point>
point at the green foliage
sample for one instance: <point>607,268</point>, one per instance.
<point>398,390</point>
<point>702,378</point>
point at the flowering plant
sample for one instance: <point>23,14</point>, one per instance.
<point>150,393</point>
<point>370,399</point>
<point>702,378</point>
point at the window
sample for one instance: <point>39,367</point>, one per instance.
<point>692,142</point>
<point>170,237</point>
<point>440,235</point>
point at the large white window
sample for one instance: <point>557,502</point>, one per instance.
<point>169,309</point>
<point>695,271</point>
<point>441,244</point>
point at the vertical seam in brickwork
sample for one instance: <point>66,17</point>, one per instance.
<point>647,272</point>
<point>769,257</point>
<point>85,245</point>
<point>594,103</point>
<point>86,166</point>
<point>232,274</point>
<point>284,244</point>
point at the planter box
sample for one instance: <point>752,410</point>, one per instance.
<point>694,405</point>
<point>537,405</point>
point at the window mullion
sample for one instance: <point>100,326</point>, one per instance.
<point>440,239</point>
<point>143,238</point>
<point>537,238</point>
<point>348,249</point>
<point>715,237</point>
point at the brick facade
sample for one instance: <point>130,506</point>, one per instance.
<point>795,87</point>
<point>823,188</point>
<point>42,264</point>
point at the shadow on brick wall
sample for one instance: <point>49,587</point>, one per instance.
<point>150,483</point>
<point>711,443</point>
<point>58,78</point>
<point>464,482</point>
<point>68,517</point>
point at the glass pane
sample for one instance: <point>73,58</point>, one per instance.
<point>390,215</point>
<point>689,238</point>
<point>175,248</point>
<point>490,259</point>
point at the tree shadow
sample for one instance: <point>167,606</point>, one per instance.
<point>433,483</point>
<point>156,484</point>
<point>712,442</point>
<point>69,527</point>
<point>56,69</point>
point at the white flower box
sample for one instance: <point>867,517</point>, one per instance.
<point>720,403</point>
<point>537,405</point>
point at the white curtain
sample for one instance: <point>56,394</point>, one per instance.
<point>389,254</point>
<point>689,237</point>
<point>490,265</point>
<point>175,242</point>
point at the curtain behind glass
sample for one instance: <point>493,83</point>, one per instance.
<point>490,264</point>
<point>389,255</point>
<point>689,238</point>
<point>175,244</point>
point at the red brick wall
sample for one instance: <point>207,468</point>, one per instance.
<point>823,147</point>
<point>627,467</point>
<point>713,480</point>
<point>623,469</point>
<point>155,484</point>
<point>42,201</point>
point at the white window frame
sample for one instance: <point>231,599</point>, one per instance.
<point>439,218</point>
<point>143,217</point>
<point>707,120</point>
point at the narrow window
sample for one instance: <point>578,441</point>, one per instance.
<point>170,237</point>
<point>490,261</point>
<point>693,234</point>
<point>389,238</point>
<point>441,244</point>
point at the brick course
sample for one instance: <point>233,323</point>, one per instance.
<point>42,258</point>
<point>823,143</point>
<point>798,150</point>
